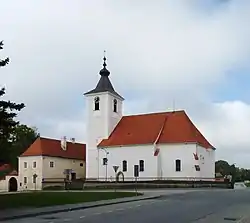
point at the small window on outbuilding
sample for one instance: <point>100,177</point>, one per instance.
<point>177,165</point>
<point>124,166</point>
<point>81,164</point>
<point>115,105</point>
<point>141,165</point>
<point>97,103</point>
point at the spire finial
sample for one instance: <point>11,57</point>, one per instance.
<point>104,71</point>
<point>104,59</point>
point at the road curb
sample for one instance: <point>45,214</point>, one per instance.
<point>30,215</point>
<point>245,219</point>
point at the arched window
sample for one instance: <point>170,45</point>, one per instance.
<point>97,103</point>
<point>124,166</point>
<point>177,165</point>
<point>115,105</point>
<point>141,165</point>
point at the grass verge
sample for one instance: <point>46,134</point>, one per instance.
<point>42,199</point>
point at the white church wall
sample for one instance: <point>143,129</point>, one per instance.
<point>133,154</point>
<point>206,161</point>
<point>183,152</point>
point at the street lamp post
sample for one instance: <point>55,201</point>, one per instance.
<point>106,164</point>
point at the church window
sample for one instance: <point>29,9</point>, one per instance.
<point>124,166</point>
<point>97,103</point>
<point>115,105</point>
<point>105,161</point>
<point>141,165</point>
<point>177,165</point>
<point>197,167</point>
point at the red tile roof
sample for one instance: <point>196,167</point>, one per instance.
<point>7,170</point>
<point>144,129</point>
<point>4,167</point>
<point>52,147</point>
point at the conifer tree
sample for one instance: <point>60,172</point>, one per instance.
<point>8,113</point>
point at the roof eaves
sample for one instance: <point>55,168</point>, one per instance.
<point>127,145</point>
<point>94,91</point>
<point>65,157</point>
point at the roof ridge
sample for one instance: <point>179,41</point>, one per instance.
<point>156,113</point>
<point>48,147</point>
<point>68,141</point>
<point>161,127</point>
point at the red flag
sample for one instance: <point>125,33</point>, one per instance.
<point>157,150</point>
<point>196,156</point>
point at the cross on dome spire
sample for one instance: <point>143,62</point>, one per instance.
<point>104,84</point>
<point>104,71</point>
<point>104,59</point>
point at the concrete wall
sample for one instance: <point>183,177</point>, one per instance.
<point>4,184</point>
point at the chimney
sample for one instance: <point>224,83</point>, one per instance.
<point>73,140</point>
<point>64,143</point>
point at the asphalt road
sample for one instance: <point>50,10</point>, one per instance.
<point>216,206</point>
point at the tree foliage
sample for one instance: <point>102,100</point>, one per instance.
<point>8,113</point>
<point>238,174</point>
<point>21,138</point>
<point>5,61</point>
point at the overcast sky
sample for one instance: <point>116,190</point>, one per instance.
<point>196,54</point>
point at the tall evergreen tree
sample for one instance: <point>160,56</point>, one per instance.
<point>8,113</point>
<point>6,60</point>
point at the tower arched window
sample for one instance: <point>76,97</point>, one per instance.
<point>115,105</point>
<point>124,166</point>
<point>177,165</point>
<point>97,103</point>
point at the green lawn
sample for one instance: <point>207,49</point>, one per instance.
<point>247,184</point>
<point>41,199</point>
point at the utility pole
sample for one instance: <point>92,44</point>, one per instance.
<point>106,164</point>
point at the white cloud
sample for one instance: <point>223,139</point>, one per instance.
<point>156,53</point>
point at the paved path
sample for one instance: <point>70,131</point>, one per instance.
<point>206,206</point>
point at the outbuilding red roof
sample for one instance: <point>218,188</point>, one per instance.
<point>52,147</point>
<point>7,170</point>
<point>174,127</point>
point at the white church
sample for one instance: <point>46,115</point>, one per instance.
<point>164,145</point>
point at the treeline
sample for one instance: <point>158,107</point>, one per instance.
<point>239,174</point>
<point>14,136</point>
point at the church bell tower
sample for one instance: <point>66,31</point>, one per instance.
<point>104,111</point>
